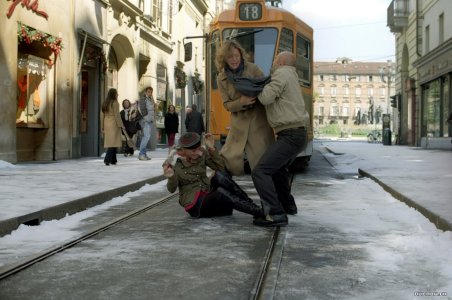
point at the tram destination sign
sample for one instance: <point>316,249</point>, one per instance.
<point>250,11</point>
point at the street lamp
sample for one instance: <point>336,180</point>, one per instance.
<point>387,76</point>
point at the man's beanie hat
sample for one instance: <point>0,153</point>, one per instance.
<point>190,140</point>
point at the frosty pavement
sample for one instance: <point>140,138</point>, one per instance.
<point>422,178</point>
<point>33,192</point>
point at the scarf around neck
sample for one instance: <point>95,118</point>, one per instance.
<point>246,86</point>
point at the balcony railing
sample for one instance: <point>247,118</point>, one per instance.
<point>398,12</point>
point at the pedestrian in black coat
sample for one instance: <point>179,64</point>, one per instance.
<point>128,124</point>
<point>194,121</point>
<point>171,124</point>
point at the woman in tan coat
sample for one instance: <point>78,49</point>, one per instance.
<point>111,125</point>
<point>250,132</point>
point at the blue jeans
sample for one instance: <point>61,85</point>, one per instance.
<point>271,175</point>
<point>146,130</point>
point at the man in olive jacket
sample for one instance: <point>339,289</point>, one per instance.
<point>287,115</point>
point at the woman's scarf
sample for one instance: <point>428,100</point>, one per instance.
<point>126,114</point>
<point>247,86</point>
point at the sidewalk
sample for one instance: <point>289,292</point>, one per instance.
<point>422,178</point>
<point>34,192</point>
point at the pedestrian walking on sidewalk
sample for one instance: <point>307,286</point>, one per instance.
<point>146,107</point>
<point>111,126</point>
<point>130,126</point>
<point>200,196</point>
<point>194,121</point>
<point>171,124</point>
<point>289,119</point>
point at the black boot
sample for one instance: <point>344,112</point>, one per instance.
<point>223,179</point>
<point>289,205</point>
<point>240,204</point>
<point>272,221</point>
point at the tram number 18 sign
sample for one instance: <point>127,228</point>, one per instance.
<point>250,11</point>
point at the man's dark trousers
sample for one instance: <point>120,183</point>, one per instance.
<point>271,175</point>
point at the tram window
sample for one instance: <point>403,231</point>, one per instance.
<point>286,40</point>
<point>303,64</point>
<point>259,44</point>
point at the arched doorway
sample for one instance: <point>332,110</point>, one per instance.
<point>122,71</point>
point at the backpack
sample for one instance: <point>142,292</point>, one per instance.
<point>134,118</point>
<point>135,114</point>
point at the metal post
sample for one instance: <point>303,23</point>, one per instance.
<point>389,92</point>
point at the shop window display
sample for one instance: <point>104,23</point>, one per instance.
<point>32,84</point>
<point>34,78</point>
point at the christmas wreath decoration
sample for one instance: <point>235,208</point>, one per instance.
<point>181,78</point>
<point>197,83</point>
<point>29,35</point>
<point>94,53</point>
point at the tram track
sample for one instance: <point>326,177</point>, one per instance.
<point>33,259</point>
<point>263,286</point>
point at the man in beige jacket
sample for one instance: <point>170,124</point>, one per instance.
<point>289,119</point>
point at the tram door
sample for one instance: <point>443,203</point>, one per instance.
<point>89,113</point>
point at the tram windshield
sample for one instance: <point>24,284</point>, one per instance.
<point>259,44</point>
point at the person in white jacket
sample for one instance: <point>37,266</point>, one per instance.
<point>287,115</point>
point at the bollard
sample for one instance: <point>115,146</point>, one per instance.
<point>387,137</point>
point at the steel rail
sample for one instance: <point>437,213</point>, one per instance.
<point>31,260</point>
<point>259,285</point>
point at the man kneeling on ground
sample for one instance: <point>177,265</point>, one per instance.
<point>186,169</point>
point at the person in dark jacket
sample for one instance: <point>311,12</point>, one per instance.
<point>146,108</point>
<point>287,115</point>
<point>185,169</point>
<point>194,121</point>
<point>171,124</point>
<point>125,117</point>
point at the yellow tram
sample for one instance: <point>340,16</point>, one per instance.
<point>263,31</point>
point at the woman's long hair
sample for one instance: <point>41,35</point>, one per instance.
<point>112,96</point>
<point>225,51</point>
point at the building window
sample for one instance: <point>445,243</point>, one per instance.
<point>370,91</point>
<point>436,108</point>
<point>370,78</point>
<point>333,91</point>
<point>334,110</point>
<point>322,90</point>
<point>432,114</point>
<point>346,91</point>
<point>157,12</point>
<point>321,77</point>
<point>34,79</point>
<point>32,91</point>
<point>358,92</point>
<point>345,110</point>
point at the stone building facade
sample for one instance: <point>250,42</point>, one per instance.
<point>423,31</point>
<point>59,58</point>
<point>352,94</point>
